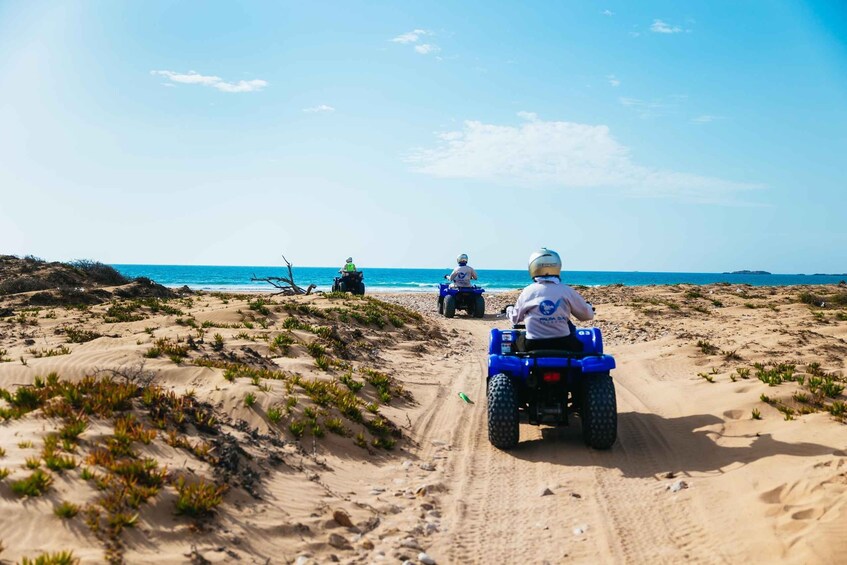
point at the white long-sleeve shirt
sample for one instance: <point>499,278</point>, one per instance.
<point>545,306</point>
<point>463,275</point>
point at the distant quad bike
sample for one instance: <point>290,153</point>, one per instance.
<point>468,299</point>
<point>548,386</point>
<point>350,282</point>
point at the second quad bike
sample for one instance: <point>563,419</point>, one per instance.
<point>352,281</point>
<point>468,299</point>
<point>547,386</point>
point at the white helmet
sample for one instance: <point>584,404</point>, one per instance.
<point>545,263</point>
<point>462,259</point>
<point>349,259</point>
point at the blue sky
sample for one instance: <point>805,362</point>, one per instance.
<point>657,135</point>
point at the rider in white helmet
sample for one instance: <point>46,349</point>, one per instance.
<point>463,274</point>
<point>546,305</point>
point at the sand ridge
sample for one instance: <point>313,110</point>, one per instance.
<point>757,489</point>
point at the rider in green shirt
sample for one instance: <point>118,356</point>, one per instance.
<point>349,266</point>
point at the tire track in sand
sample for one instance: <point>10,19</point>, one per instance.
<point>643,521</point>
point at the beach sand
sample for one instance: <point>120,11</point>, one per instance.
<point>693,476</point>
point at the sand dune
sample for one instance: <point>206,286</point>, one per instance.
<point>421,476</point>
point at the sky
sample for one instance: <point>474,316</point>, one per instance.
<point>700,136</point>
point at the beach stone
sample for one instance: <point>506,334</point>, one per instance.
<point>410,543</point>
<point>338,541</point>
<point>425,559</point>
<point>406,465</point>
<point>677,486</point>
<point>579,530</point>
<point>427,466</point>
<point>342,518</point>
<point>546,492</point>
<point>367,544</point>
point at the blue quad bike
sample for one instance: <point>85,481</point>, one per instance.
<point>352,281</point>
<point>468,299</point>
<point>548,386</point>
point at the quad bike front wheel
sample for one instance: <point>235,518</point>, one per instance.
<point>479,307</point>
<point>599,411</point>
<point>441,305</point>
<point>503,419</point>
<point>449,306</point>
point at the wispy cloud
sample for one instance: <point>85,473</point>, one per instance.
<point>705,119</point>
<point>607,13</point>
<point>563,154</point>
<point>653,108</point>
<point>415,36</point>
<point>426,48</point>
<point>411,37</point>
<point>614,81</point>
<point>192,77</point>
<point>320,109</point>
<point>661,27</point>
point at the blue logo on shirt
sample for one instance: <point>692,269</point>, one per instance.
<point>460,275</point>
<point>547,307</point>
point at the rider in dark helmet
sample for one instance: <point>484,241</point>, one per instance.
<point>546,305</point>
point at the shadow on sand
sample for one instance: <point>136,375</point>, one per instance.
<point>649,444</point>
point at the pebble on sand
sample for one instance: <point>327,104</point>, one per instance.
<point>677,486</point>
<point>342,518</point>
<point>338,541</point>
<point>546,492</point>
<point>425,559</point>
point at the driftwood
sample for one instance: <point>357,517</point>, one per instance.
<point>286,285</point>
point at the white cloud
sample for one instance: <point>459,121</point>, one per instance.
<point>412,36</point>
<point>607,13</point>
<point>560,154</point>
<point>614,81</point>
<point>705,119</point>
<point>528,116</point>
<point>653,108</point>
<point>661,27</point>
<point>320,109</point>
<point>192,77</point>
<point>426,48</point>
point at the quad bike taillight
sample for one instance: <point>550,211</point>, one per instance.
<point>552,377</point>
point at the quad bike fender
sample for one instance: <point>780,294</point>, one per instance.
<point>521,367</point>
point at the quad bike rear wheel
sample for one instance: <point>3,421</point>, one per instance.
<point>360,288</point>
<point>479,306</point>
<point>599,411</point>
<point>449,306</point>
<point>503,419</point>
<point>441,305</point>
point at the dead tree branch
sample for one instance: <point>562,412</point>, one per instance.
<point>286,285</point>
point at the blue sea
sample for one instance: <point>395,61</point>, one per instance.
<point>426,280</point>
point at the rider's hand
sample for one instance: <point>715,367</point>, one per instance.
<point>508,311</point>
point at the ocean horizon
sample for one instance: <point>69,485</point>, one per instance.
<point>237,278</point>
